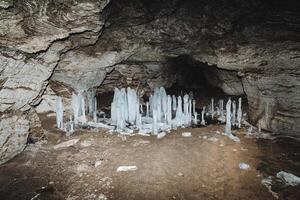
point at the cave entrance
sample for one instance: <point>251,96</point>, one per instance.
<point>196,77</point>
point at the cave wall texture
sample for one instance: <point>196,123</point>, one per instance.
<point>50,48</point>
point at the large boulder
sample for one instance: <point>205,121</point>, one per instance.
<point>14,130</point>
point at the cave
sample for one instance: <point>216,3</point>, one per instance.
<point>161,99</point>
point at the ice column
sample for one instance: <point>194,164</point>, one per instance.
<point>59,113</point>
<point>228,118</point>
<point>239,113</point>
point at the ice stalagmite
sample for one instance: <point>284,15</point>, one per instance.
<point>71,128</point>
<point>147,109</point>
<point>174,103</point>
<point>221,106</point>
<point>95,110</point>
<point>233,117</point>
<point>194,107</point>
<point>82,106</point>
<point>228,118</point>
<point>239,113</point>
<point>75,107</point>
<point>59,113</point>
<point>196,118</point>
<point>169,110</point>
<point>164,102</point>
<point>132,101</point>
<point>154,125</point>
<point>179,114</point>
<point>190,113</point>
<point>186,109</point>
<point>90,98</point>
<point>202,117</point>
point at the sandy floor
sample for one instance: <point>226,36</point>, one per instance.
<point>173,167</point>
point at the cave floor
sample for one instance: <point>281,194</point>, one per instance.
<point>174,167</point>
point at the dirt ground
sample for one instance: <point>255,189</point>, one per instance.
<point>204,166</point>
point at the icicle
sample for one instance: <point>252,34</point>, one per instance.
<point>228,118</point>
<point>233,117</point>
<point>239,113</point>
<point>212,108</point>
<point>59,113</point>
<point>95,110</point>
<point>139,121</point>
<point>174,103</point>
<point>202,117</point>
<point>132,101</point>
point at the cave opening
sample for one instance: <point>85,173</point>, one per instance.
<point>139,99</point>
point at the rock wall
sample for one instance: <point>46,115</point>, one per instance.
<point>50,48</point>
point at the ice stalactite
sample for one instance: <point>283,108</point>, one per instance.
<point>195,118</point>
<point>71,125</point>
<point>239,113</point>
<point>82,118</point>
<point>59,113</point>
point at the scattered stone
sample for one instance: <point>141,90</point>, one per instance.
<point>180,174</point>
<point>186,134</point>
<point>288,178</point>
<point>205,137</point>
<point>213,139</point>
<point>126,168</point>
<point>244,166</point>
<point>82,168</point>
<point>66,144</point>
<point>86,143</point>
<point>161,135</point>
<point>102,197</point>
<point>98,163</point>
